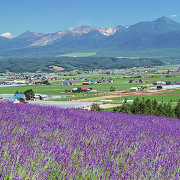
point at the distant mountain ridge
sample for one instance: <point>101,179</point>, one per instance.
<point>160,33</point>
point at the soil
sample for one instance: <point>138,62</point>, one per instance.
<point>105,106</point>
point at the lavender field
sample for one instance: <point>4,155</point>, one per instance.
<point>52,143</point>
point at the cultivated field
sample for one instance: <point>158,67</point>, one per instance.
<point>52,143</point>
<point>102,91</point>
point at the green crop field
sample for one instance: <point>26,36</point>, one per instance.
<point>58,88</point>
<point>78,54</point>
<point>158,97</point>
<point>121,83</point>
<point>42,89</point>
<point>173,92</point>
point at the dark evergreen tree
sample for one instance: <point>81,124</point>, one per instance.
<point>177,110</point>
<point>135,108</point>
<point>168,110</point>
<point>154,106</point>
<point>148,107</point>
<point>159,110</point>
<point>112,88</point>
<point>125,108</point>
<point>142,106</point>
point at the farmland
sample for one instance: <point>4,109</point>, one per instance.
<point>55,143</point>
<point>159,97</point>
<point>103,91</point>
<point>120,83</point>
<point>78,54</point>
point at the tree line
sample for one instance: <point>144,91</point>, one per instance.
<point>44,64</point>
<point>150,107</point>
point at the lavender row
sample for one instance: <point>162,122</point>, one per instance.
<point>48,143</point>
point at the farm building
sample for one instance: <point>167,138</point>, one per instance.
<point>84,89</point>
<point>14,100</point>
<point>93,82</point>
<point>131,81</point>
<point>110,80</point>
<point>159,83</point>
<point>68,90</point>
<point>171,87</point>
<point>86,83</point>
<point>135,89</point>
<point>67,83</point>
<point>142,81</point>
<point>41,96</point>
<point>18,96</point>
<point>74,89</point>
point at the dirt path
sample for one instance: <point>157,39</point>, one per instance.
<point>99,98</point>
<point>105,106</point>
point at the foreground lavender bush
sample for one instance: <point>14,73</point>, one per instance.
<point>51,143</point>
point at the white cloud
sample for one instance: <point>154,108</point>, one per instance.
<point>7,35</point>
<point>173,15</point>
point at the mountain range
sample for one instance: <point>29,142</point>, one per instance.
<point>160,33</point>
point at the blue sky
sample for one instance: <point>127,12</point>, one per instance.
<point>46,16</point>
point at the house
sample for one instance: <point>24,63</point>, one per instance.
<point>70,83</point>
<point>40,96</point>
<point>131,81</point>
<point>93,82</point>
<point>81,79</point>
<point>65,83</point>
<point>142,81</point>
<point>110,81</point>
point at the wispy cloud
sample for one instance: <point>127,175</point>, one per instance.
<point>7,35</point>
<point>173,15</point>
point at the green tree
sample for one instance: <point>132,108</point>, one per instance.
<point>177,110</point>
<point>135,107</point>
<point>96,107</point>
<point>154,106</point>
<point>159,110</point>
<point>168,111</point>
<point>142,107</point>
<point>148,108</point>
<point>29,94</point>
<point>112,88</point>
